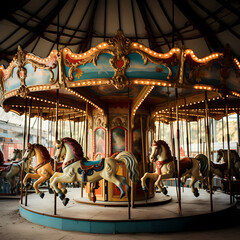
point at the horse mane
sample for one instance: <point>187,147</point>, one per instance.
<point>43,151</point>
<point>235,154</point>
<point>1,157</point>
<point>168,150</point>
<point>75,146</point>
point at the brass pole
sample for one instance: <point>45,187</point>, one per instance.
<point>56,138</point>
<point>223,131</point>
<point>24,148</point>
<point>70,127</point>
<point>208,143</point>
<point>178,156</point>
<point>228,153</point>
<point>27,141</point>
<point>143,145</point>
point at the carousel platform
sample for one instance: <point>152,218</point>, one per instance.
<point>153,216</point>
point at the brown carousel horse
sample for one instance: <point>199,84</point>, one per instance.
<point>44,166</point>
<point>234,161</point>
<point>166,168</point>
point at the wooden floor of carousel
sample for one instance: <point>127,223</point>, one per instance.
<point>161,214</point>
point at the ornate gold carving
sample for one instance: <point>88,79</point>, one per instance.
<point>21,61</point>
<point>118,120</point>
<point>23,91</point>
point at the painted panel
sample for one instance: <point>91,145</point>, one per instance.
<point>118,140</point>
<point>208,76</point>
<point>150,70</point>
<point>99,140</point>
<point>90,71</point>
<point>38,77</point>
<point>233,81</point>
<point>137,142</point>
<point>13,82</point>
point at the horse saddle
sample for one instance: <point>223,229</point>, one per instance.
<point>59,165</point>
<point>87,168</point>
<point>185,164</point>
<point>5,166</point>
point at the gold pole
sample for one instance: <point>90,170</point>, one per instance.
<point>208,143</point>
<point>56,138</point>
<point>178,156</point>
<point>228,153</point>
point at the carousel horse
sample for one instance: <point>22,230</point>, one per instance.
<point>166,168</point>
<point>234,161</point>
<point>43,169</point>
<point>77,168</point>
<point>217,169</point>
<point>16,155</point>
<point>11,169</point>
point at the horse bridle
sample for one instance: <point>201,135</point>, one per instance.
<point>31,150</point>
<point>61,148</point>
<point>159,150</point>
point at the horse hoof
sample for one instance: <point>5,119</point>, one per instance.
<point>27,185</point>
<point>61,195</point>
<point>145,189</point>
<point>50,191</point>
<point>164,191</point>
<point>196,193</point>
<point>41,194</point>
<point>65,201</point>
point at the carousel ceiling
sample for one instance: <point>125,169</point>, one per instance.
<point>41,26</point>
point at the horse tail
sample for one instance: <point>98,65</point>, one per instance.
<point>131,164</point>
<point>203,162</point>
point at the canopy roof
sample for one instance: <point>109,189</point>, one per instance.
<point>139,67</point>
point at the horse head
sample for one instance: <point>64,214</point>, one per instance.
<point>60,150</point>
<point>219,155</point>
<point>156,150</point>
<point>17,153</point>
<point>29,153</point>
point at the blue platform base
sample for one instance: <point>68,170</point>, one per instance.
<point>164,218</point>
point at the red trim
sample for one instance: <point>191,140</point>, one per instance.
<point>94,143</point>
<point>126,139</point>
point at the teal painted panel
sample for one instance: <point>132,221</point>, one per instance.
<point>233,81</point>
<point>38,77</point>
<point>150,70</point>
<point>13,82</point>
<point>209,76</point>
<point>90,71</point>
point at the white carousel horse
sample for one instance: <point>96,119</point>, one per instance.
<point>234,161</point>
<point>10,170</point>
<point>77,168</point>
<point>166,168</point>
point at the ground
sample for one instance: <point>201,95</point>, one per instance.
<point>14,227</point>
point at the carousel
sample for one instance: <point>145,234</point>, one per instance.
<point>115,99</point>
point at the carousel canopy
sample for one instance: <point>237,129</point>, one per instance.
<point>86,62</point>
